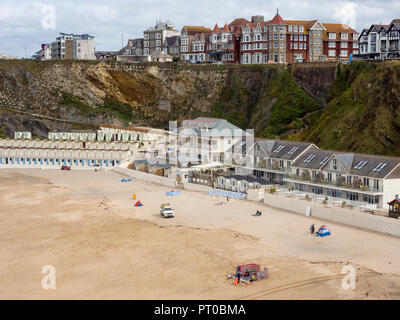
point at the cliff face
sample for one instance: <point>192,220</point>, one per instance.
<point>81,92</point>
<point>363,112</point>
<point>348,107</point>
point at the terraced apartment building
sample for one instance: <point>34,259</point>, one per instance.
<point>380,41</point>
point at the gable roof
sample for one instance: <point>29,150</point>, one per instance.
<point>213,127</point>
<point>225,29</point>
<point>306,24</point>
<point>289,150</point>
<point>216,29</point>
<point>277,20</point>
<point>238,22</point>
<point>338,28</point>
<point>313,159</point>
<point>279,149</point>
<point>192,30</point>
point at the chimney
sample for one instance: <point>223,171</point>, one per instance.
<point>256,19</point>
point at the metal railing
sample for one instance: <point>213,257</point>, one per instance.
<point>335,183</point>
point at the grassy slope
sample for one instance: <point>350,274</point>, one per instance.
<point>269,101</point>
<point>363,114</point>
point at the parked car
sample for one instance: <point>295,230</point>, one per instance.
<point>167,211</point>
<point>65,168</point>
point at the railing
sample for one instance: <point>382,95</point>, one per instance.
<point>261,165</point>
<point>336,183</point>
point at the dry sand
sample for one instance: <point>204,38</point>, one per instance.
<point>85,225</point>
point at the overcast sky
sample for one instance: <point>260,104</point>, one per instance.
<point>29,23</point>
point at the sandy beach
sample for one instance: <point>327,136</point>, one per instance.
<point>84,223</point>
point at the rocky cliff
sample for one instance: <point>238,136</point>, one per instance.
<point>347,107</point>
<point>80,94</point>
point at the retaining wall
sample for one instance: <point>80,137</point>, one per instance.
<point>147,177</point>
<point>197,187</point>
<point>339,215</point>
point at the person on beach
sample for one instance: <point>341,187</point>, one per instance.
<point>312,229</point>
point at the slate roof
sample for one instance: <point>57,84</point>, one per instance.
<point>282,150</point>
<point>371,167</point>
<point>156,164</point>
<point>308,161</point>
<point>214,127</point>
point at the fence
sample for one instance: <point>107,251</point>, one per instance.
<point>339,215</point>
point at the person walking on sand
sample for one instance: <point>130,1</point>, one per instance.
<point>312,228</point>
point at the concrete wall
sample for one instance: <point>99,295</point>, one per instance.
<point>147,177</point>
<point>197,187</point>
<point>255,194</point>
<point>349,217</point>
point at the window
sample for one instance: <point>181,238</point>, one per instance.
<point>293,150</point>
<point>360,165</point>
<point>380,166</point>
<point>332,44</point>
<point>295,29</point>
<point>301,29</point>
<point>343,53</point>
<point>301,37</point>
<point>309,158</point>
<point>275,36</point>
<point>295,37</point>
<point>290,28</point>
<point>332,35</point>
<point>279,149</point>
<point>295,45</point>
<point>324,160</point>
<point>345,36</point>
<point>332,53</point>
<point>158,35</point>
<point>344,45</point>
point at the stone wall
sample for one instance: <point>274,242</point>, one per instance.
<point>197,187</point>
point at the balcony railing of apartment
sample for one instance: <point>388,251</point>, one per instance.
<point>272,167</point>
<point>355,186</point>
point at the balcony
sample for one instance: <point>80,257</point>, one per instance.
<point>356,186</point>
<point>270,167</point>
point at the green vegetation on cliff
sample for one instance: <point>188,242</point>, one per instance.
<point>363,112</point>
<point>268,100</point>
